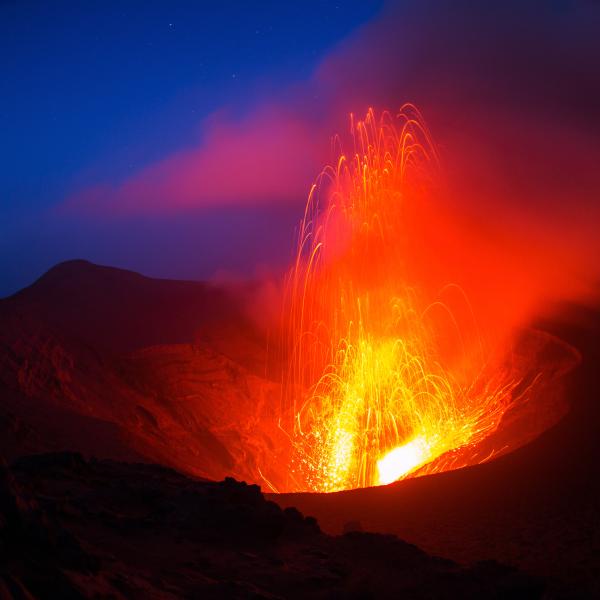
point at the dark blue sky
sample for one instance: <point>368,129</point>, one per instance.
<point>94,91</point>
<point>179,139</point>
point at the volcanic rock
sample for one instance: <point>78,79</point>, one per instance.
<point>73,528</point>
<point>116,365</point>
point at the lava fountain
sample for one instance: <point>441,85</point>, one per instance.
<point>382,383</point>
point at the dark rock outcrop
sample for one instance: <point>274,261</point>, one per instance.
<point>72,528</point>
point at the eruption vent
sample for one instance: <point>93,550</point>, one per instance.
<point>382,383</point>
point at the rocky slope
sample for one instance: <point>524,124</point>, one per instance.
<point>70,528</point>
<point>113,364</point>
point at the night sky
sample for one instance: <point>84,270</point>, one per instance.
<point>94,92</point>
<point>179,139</point>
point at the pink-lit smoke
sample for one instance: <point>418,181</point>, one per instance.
<point>512,96</point>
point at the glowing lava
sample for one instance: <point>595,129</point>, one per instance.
<point>402,460</point>
<point>371,393</point>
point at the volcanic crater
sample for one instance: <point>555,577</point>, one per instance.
<point>114,365</point>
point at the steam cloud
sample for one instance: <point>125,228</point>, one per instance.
<point>511,93</point>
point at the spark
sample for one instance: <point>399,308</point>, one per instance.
<point>367,396</point>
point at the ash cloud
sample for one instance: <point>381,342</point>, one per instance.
<point>513,85</point>
<point>263,159</point>
<point>511,94</point>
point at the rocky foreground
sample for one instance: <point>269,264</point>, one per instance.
<point>71,528</point>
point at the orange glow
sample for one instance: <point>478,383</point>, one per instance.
<point>402,460</point>
<point>382,383</point>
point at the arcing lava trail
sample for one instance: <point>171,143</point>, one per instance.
<point>384,383</point>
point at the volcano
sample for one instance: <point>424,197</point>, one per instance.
<point>118,367</point>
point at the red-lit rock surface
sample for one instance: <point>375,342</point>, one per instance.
<point>113,364</point>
